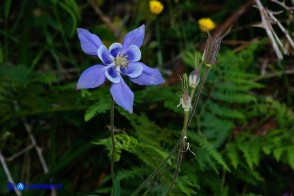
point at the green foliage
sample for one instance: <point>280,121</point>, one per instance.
<point>99,107</point>
<point>242,133</point>
<point>186,185</point>
<point>215,123</point>
<point>122,142</point>
<point>275,144</point>
<point>218,150</point>
<point>209,151</point>
<point>229,85</point>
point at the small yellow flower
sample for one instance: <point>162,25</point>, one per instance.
<point>156,7</point>
<point>206,24</point>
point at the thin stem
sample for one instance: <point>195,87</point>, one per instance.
<point>192,94</point>
<point>103,16</point>
<point>6,16</point>
<point>137,191</point>
<point>283,5</point>
<point>6,170</point>
<point>28,128</point>
<point>181,152</point>
<point>20,153</point>
<point>63,35</point>
<point>180,143</point>
<point>223,180</point>
<point>159,52</point>
<point>113,145</point>
<point>199,89</point>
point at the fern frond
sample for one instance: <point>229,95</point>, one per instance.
<point>290,156</point>
<point>122,141</point>
<point>186,185</point>
<point>124,174</point>
<point>97,108</point>
<point>224,111</point>
<point>205,144</point>
<point>247,175</point>
<point>278,153</point>
<point>205,161</point>
<point>210,121</point>
<point>233,155</point>
<point>144,152</point>
<point>232,97</point>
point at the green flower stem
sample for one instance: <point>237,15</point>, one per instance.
<point>159,52</point>
<point>113,144</point>
<point>187,120</point>
<point>137,191</point>
<point>192,94</point>
<point>180,143</point>
<point>199,89</point>
<point>181,152</point>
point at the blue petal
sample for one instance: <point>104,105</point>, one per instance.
<point>133,70</point>
<point>134,37</point>
<point>149,76</point>
<point>104,55</point>
<point>123,95</point>
<point>133,53</point>
<point>112,75</point>
<point>114,49</point>
<point>89,42</point>
<point>92,77</point>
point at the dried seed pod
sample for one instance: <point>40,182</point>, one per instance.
<point>212,47</point>
<point>184,97</point>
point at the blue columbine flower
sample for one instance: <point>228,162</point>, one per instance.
<point>119,59</point>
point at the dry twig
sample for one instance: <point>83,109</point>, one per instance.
<point>107,21</point>
<point>6,170</point>
<point>283,5</point>
<point>32,145</point>
<point>267,19</point>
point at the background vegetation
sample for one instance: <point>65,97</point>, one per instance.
<point>243,132</point>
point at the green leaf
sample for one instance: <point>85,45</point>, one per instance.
<point>278,153</point>
<point>97,108</point>
<point>290,156</point>
<point>233,155</point>
<point>206,145</point>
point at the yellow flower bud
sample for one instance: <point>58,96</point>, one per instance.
<point>156,7</point>
<point>206,24</point>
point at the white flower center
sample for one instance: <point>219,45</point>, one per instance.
<point>120,61</point>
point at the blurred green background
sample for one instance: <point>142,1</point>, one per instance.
<point>242,134</point>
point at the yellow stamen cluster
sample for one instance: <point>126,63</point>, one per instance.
<point>121,61</point>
